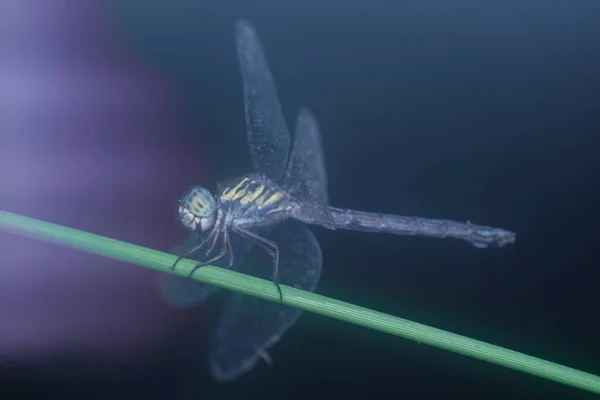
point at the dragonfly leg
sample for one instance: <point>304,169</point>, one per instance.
<point>195,248</point>
<point>270,247</point>
<point>229,249</point>
<point>212,259</point>
<point>212,246</point>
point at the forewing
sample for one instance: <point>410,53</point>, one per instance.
<point>250,325</point>
<point>268,134</point>
<point>307,163</point>
<point>183,292</point>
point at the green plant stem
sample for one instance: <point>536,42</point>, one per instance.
<point>297,298</point>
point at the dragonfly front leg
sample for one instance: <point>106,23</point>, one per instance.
<point>270,247</point>
<point>212,246</point>
<point>212,235</point>
<point>215,258</point>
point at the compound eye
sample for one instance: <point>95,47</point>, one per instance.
<point>199,202</point>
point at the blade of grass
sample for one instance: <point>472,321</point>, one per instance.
<point>297,298</point>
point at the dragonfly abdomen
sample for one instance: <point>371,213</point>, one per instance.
<point>477,235</point>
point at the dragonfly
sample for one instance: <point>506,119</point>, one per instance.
<point>270,210</point>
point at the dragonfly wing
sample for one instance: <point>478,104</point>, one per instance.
<point>268,134</point>
<point>305,174</point>
<point>307,163</point>
<point>250,325</point>
<point>183,292</point>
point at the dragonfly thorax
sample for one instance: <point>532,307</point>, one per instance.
<point>197,209</point>
<point>253,200</point>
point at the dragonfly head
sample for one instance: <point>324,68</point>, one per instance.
<point>197,210</point>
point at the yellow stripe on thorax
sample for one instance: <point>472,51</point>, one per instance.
<point>250,197</point>
<point>239,194</point>
<point>262,198</point>
<point>230,194</point>
<point>274,198</point>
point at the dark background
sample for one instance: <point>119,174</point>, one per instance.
<point>467,110</point>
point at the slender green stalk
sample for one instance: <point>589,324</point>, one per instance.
<point>297,298</point>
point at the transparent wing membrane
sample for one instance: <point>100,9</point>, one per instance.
<point>307,163</point>
<point>249,325</point>
<point>267,131</point>
<point>305,175</point>
<point>183,292</point>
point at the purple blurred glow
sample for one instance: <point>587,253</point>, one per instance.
<point>88,140</point>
